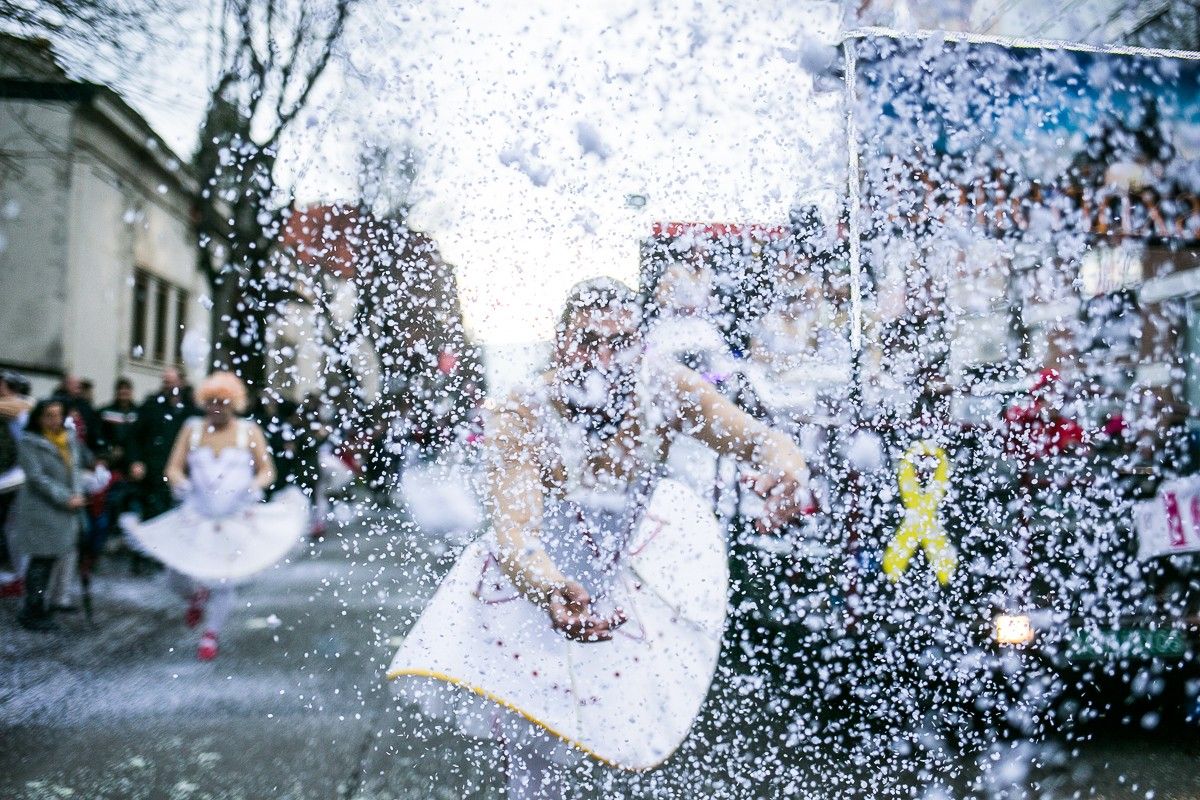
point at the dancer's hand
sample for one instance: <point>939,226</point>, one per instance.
<point>785,497</point>
<point>571,614</point>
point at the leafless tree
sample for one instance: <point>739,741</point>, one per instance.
<point>271,55</point>
<point>78,21</point>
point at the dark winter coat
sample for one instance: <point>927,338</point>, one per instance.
<point>41,524</point>
<point>117,426</point>
<point>158,424</point>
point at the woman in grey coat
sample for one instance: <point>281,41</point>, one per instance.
<point>48,512</point>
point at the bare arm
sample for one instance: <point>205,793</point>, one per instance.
<point>515,496</point>
<point>264,466</point>
<point>13,407</point>
<point>176,471</point>
<point>718,423</point>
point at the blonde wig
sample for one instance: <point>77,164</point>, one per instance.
<point>224,386</point>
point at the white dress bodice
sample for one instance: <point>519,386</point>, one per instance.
<point>221,482</point>
<point>587,523</point>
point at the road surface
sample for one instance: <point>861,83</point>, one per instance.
<point>295,707</point>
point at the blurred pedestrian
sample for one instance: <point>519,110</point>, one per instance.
<point>1039,430</point>
<point>118,421</point>
<point>47,514</point>
<point>15,406</point>
<point>74,393</point>
<point>272,414</point>
<point>222,533</point>
<point>159,419</point>
<point>319,419</point>
<point>117,496</point>
<point>268,411</point>
<point>295,448</point>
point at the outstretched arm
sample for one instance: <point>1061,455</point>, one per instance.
<point>782,478</point>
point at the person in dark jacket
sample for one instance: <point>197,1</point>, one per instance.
<point>294,448</point>
<point>48,512</point>
<point>159,421</point>
<point>15,405</point>
<point>118,420</point>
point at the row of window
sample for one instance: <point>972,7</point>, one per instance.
<point>159,319</point>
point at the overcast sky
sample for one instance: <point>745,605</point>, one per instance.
<point>533,122</point>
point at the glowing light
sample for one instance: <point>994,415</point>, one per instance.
<point>1013,629</point>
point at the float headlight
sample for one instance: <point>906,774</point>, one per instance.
<point>1013,629</point>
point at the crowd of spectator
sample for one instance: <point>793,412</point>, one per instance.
<point>74,477</point>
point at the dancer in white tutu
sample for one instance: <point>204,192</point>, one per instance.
<point>222,533</point>
<point>589,619</point>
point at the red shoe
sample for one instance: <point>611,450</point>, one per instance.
<point>207,650</point>
<point>14,588</point>
<point>195,608</point>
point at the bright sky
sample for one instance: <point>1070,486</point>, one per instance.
<point>534,119</point>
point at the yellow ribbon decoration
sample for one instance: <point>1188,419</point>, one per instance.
<point>921,525</point>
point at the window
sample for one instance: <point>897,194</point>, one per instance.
<point>161,306</point>
<point>159,318</point>
<point>141,314</point>
<point>181,304</point>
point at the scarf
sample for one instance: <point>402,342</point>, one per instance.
<point>62,441</point>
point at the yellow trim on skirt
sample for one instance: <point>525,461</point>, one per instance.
<point>441,676</point>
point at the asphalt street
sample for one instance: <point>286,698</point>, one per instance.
<point>296,706</point>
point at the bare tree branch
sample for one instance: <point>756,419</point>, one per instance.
<point>342,12</point>
<point>279,50</point>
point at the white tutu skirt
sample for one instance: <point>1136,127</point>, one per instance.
<point>480,647</point>
<point>231,548</point>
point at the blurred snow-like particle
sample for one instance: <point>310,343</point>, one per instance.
<point>527,162</point>
<point>194,350</point>
<point>343,513</point>
<point>864,451</point>
<point>810,54</point>
<point>590,140</point>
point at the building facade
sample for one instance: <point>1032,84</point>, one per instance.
<point>100,270</point>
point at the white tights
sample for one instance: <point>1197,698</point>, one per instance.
<point>217,600</point>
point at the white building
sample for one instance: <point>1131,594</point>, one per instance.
<point>99,265</point>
